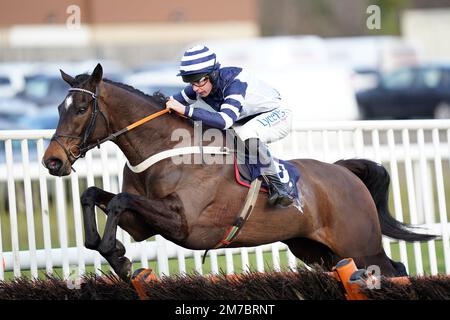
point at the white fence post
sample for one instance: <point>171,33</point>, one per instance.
<point>245,261</point>
<point>12,208</point>
<point>292,260</point>
<point>163,260</point>
<point>45,212</point>
<point>214,262</point>
<point>78,222</point>
<point>412,199</point>
<point>229,261</point>
<point>441,199</point>
<point>62,224</point>
<point>397,195</point>
<point>276,257</point>
<point>427,199</point>
<point>182,260</point>
<point>91,183</point>
<point>29,208</point>
<point>259,259</point>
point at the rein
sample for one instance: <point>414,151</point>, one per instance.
<point>79,150</point>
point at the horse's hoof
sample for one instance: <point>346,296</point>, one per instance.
<point>125,270</point>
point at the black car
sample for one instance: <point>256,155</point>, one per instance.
<point>414,92</point>
<point>44,89</point>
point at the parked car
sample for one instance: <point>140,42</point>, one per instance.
<point>45,118</point>
<point>44,89</point>
<point>12,77</point>
<point>12,109</point>
<point>364,78</point>
<point>6,87</point>
<point>414,92</point>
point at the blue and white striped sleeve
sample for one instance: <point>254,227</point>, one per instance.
<point>230,109</point>
<point>186,96</point>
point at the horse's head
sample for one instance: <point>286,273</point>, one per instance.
<point>77,128</point>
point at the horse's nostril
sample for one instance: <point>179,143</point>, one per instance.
<point>53,164</point>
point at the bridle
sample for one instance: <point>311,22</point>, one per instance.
<point>79,150</point>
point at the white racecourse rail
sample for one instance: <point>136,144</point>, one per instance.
<point>41,219</point>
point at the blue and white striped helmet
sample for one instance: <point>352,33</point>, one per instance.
<point>197,62</point>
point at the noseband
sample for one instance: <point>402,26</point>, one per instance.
<point>79,150</point>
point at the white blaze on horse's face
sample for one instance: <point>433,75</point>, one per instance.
<point>68,102</point>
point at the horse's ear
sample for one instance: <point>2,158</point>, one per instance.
<point>97,74</point>
<point>69,79</point>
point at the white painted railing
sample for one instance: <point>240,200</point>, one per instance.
<point>41,227</point>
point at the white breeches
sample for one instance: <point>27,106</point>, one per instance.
<point>268,127</point>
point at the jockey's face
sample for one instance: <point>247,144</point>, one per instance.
<point>202,87</point>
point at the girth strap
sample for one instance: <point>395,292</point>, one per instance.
<point>249,205</point>
<point>245,213</point>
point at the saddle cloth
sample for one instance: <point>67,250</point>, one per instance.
<point>246,173</point>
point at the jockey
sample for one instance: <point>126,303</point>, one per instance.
<point>241,102</point>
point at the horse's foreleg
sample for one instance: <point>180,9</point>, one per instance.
<point>90,198</point>
<point>160,215</point>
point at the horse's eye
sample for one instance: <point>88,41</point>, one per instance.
<point>81,110</point>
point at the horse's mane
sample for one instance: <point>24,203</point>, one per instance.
<point>157,97</point>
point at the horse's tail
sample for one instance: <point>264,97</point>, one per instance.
<point>377,180</point>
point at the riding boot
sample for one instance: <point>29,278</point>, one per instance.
<point>278,191</point>
<point>261,157</point>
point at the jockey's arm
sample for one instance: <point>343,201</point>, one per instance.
<point>185,97</point>
<point>175,105</point>
<point>180,100</point>
<point>229,111</point>
<point>220,120</point>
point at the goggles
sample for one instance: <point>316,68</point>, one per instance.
<point>200,83</point>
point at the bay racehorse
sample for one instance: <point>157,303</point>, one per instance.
<point>345,204</point>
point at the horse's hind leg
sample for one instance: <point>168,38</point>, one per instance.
<point>399,268</point>
<point>312,252</point>
<point>381,261</point>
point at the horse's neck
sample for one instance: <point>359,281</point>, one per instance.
<point>146,139</point>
